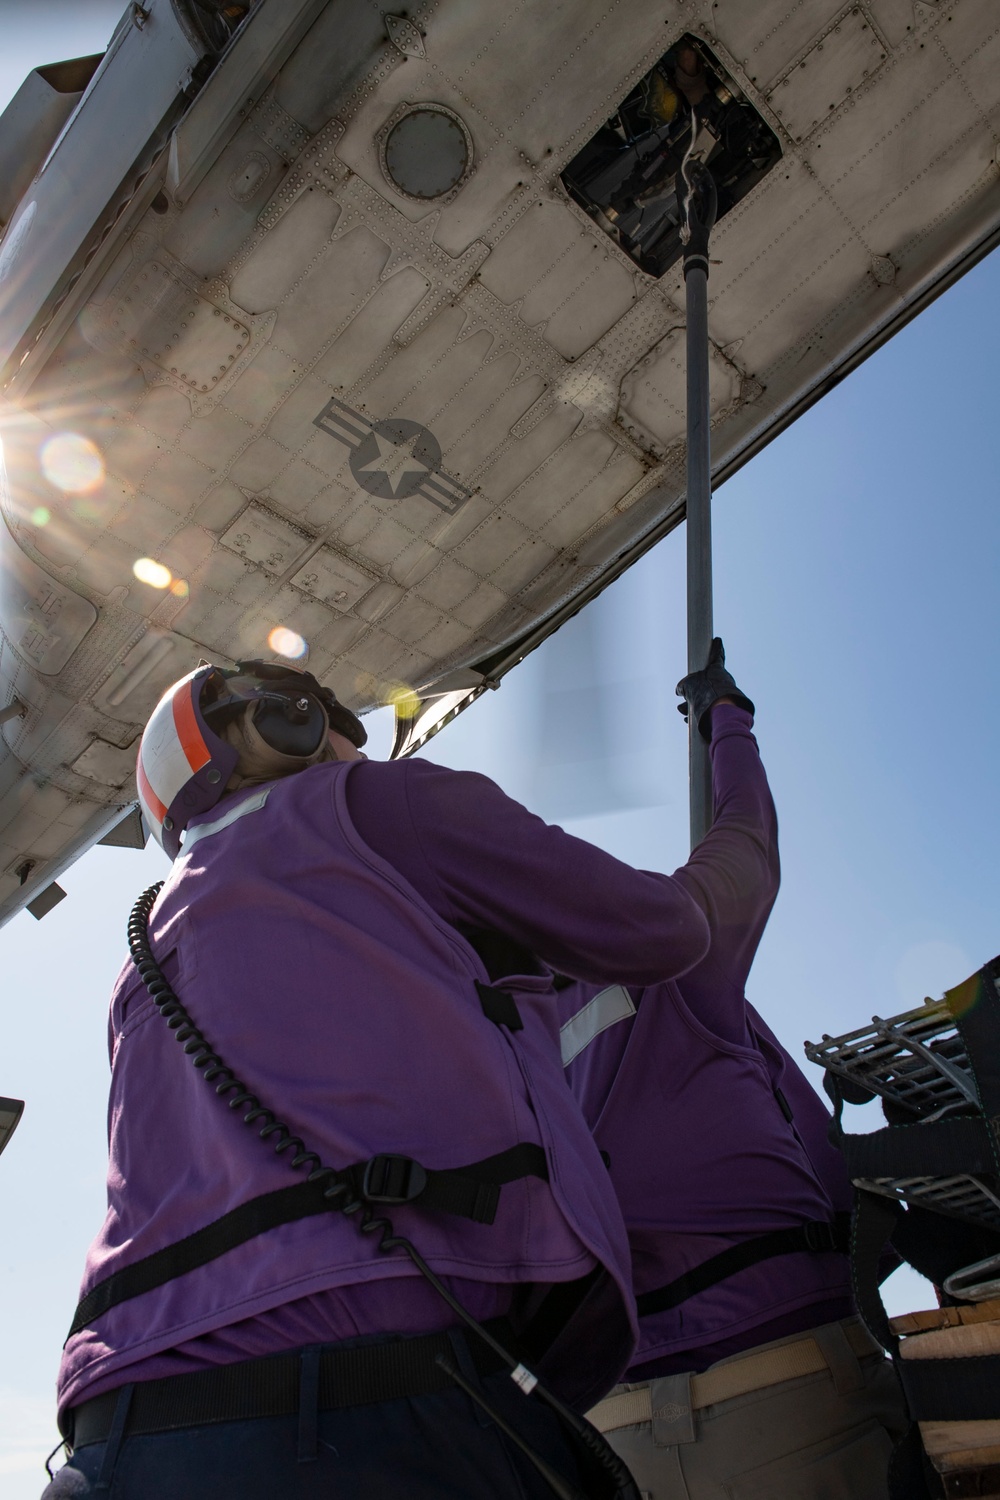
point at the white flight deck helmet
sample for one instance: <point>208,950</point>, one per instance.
<point>185,764</point>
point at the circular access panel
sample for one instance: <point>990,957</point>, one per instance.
<point>427,152</point>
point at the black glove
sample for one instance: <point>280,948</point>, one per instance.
<point>701,689</point>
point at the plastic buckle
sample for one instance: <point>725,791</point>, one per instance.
<point>393,1179</point>
<point>819,1238</point>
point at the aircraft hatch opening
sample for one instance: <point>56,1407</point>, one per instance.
<point>625,175</point>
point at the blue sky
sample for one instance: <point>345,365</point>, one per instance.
<point>856,565</point>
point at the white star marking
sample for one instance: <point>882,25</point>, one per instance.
<point>395,460</point>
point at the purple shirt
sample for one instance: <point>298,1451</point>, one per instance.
<point>688,1096</point>
<point>324,926</point>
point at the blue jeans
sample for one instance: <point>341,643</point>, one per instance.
<point>429,1447</point>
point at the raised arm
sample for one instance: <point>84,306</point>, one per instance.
<point>482,860</point>
<point>734,872</point>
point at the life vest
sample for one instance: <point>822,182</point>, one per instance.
<point>735,1202</point>
<point>332,988</point>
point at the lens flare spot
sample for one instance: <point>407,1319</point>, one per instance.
<point>153,573</point>
<point>72,463</point>
<point>403,699</point>
<point>179,588</point>
<point>40,516</point>
<point>285,642</point>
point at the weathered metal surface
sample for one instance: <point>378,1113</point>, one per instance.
<point>438,424</point>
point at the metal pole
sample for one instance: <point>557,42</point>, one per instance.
<point>696,192</point>
<point>699,537</point>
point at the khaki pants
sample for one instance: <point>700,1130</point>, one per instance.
<point>821,1436</point>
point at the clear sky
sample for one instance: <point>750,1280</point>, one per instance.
<point>856,588</point>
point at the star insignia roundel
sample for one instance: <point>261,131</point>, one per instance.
<point>393,459</point>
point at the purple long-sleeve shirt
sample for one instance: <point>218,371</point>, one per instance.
<point>481,862</point>
<point>688,1095</point>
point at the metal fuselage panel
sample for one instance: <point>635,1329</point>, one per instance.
<point>413,428</point>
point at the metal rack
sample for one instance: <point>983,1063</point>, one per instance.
<point>918,1065</point>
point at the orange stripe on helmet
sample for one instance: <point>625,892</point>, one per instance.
<point>188,732</point>
<point>147,794</point>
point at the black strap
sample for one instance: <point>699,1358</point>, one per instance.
<point>271,1386</point>
<point>471,1192</point>
<point>499,1007</point>
<point>559,1304</point>
<point>911,1476</point>
<point>876,1219</point>
<point>938,1390</point>
<point>500,955</point>
<point>938,1148</point>
<point>936,1246</point>
<point>952,1390</point>
<point>784,1106</point>
<point>818,1237</point>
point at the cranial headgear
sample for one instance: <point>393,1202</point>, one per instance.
<point>220,728</point>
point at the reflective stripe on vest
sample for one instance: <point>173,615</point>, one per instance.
<point>202,830</point>
<point>606,1009</point>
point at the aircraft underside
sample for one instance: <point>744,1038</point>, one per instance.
<point>359,339</point>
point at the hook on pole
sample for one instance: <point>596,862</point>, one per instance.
<point>697,197</point>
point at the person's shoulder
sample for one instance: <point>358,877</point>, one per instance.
<point>437,796</point>
<point>424,774</point>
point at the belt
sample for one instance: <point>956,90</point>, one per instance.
<point>271,1387</point>
<point>736,1377</point>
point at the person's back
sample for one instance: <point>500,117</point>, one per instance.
<point>340,989</point>
<point>316,966</point>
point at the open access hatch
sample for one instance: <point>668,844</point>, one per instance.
<point>625,176</point>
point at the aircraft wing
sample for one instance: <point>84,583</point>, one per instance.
<point>369,330</point>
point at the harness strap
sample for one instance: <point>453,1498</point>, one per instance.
<point>499,1006</point>
<point>876,1219</point>
<point>936,1246</point>
<point>470,1192</point>
<point>818,1237</point>
<point>936,1148</point>
<point>952,1390</point>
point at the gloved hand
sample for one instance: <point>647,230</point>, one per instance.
<point>701,689</point>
